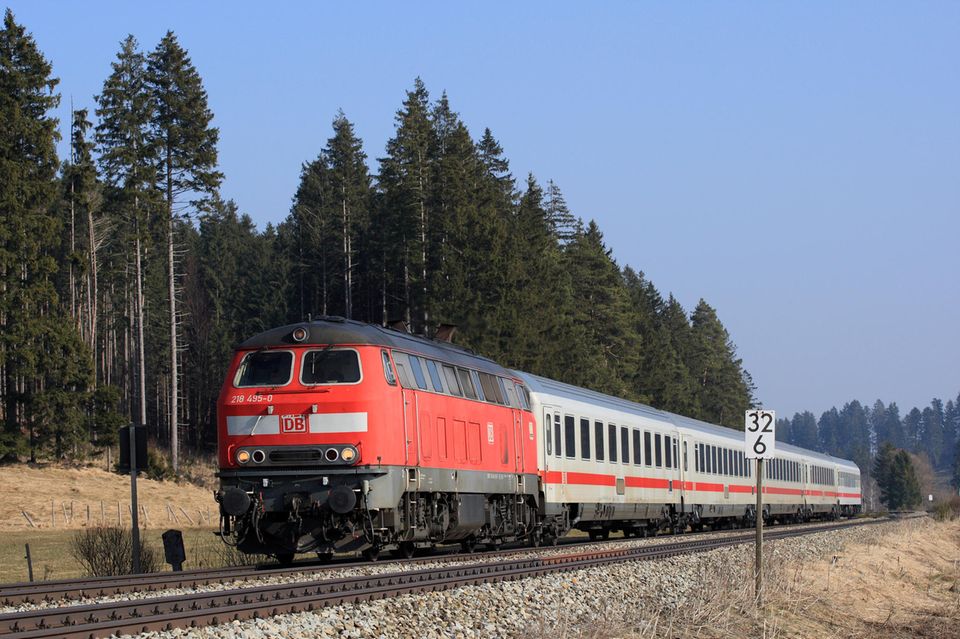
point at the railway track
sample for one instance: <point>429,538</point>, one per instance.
<point>212,608</point>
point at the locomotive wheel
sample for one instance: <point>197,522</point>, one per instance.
<point>494,545</point>
<point>405,550</point>
<point>325,557</point>
<point>468,545</point>
<point>372,553</point>
<point>285,558</point>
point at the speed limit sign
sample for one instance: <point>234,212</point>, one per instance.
<point>760,434</point>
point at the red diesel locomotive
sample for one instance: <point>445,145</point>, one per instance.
<point>337,435</point>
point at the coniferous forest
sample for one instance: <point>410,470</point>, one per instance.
<point>127,279</point>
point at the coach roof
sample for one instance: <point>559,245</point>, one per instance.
<point>539,384</point>
<point>337,330</point>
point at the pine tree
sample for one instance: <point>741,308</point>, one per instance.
<point>721,388</point>
<point>84,195</point>
<point>565,226</point>
<point>330,216</point>
<point>827,428</point>
<point>804,427</point>
<point>853,434</point>
<point>404,183</point>
<point>897,478</point>
<point>913,429</point>
<point>128,160</point>
<point>44,366</point>
<point>187,153</point>
<point>955,471</point>
<point>931,437</point>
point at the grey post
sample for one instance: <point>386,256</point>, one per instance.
<point>29,563</point>
<point>758,561</point>
<point>135,520</point>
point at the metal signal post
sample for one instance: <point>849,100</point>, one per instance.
<point>760,443</point>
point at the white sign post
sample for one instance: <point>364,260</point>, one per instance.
<point>759,443</point>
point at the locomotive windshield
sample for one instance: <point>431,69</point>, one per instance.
<point>330,367</point>
<point>265,368</point>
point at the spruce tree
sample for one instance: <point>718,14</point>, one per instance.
<point>565,226</point>
<point>128,161</point>
<point>721,386</point>
<point>43,363</point>
<point>187,154</point>
<point>608,348</point>
<point>405,187</point>
<point>804,428</point>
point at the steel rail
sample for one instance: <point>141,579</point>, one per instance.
<point>14,594</point>
<point>217,607</point>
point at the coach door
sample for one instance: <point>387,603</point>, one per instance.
<point>551,438</point>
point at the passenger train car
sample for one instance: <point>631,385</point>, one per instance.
<point>336,435</point>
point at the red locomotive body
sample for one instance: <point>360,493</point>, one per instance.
<point>337,435</point>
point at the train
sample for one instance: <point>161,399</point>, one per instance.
<point>341,436</point>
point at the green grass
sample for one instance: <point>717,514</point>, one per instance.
<point>52,558</point>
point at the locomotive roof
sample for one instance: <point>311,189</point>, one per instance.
<point>568,391</point>
<point>338,330</point>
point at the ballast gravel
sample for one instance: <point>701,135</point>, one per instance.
<point>552,604</point>
<point>366,570</point>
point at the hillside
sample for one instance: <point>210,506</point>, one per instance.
<point>87,496</point>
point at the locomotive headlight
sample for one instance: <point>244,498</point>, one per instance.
<point>299,334</point>
<point>348,454</point>
<point>243,456</point>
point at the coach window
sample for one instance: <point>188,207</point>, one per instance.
<point>713,462</point>
<point>417,371</point>
<point>612,435</point>
<point>684,456</point>
<point>636,447</point>
<point>624,445</point>
<point>556,435</point>
<point>388,369</point>
<point>450,375</point>
<point>647,448</point>
<point>570,436</point>
<point>699,450</point>
<point>676,453</point>
<point>585,438</point>
<point>667,451</point>
<point>658,450</point>
<point>434,375</point>
<point>546,432</point>
<point>598,439</point>
<point>726,461</point>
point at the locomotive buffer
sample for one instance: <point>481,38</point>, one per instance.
<point>759,443</point>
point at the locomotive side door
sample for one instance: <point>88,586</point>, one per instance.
<point>411,429</point>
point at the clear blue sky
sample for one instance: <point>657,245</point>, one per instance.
<point>795,164</point>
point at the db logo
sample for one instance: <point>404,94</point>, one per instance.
<point>293,424</point>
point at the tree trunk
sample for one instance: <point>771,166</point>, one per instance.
<point>141,357</point>
<point>174,439</point>
<point>92,292</point>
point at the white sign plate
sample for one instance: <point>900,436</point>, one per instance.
<point>760,434</point>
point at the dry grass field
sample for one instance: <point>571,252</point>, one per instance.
<point>60,500</point>
<point>901,580</point>
<point>55,497</point>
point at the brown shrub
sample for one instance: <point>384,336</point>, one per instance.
<point>105,552</point>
